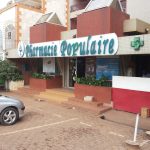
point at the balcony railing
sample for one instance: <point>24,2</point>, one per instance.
<point>79,6</point>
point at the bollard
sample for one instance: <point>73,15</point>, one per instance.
<point>136,127</point>
<point>134,142</point>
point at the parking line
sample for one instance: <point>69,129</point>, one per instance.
<point>116,134</point>
<point>144,142</point>
<point>85,124</point>
<point>57,115</point>
<point>38,127</point>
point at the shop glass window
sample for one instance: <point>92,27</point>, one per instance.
<point>107,67</point>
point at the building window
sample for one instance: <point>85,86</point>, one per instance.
<point>10,37</point>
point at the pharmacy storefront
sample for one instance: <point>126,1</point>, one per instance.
<point>125,61</point>
<point>80,57</point>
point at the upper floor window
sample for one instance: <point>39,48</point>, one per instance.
<point>10,37</point>
<point>78,5</point>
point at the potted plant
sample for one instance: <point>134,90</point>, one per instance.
<point>42,81</point>
<point>11,75</point>
<point>89,86</point>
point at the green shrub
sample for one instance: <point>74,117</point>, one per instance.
<point>2,82</point>
<point>9,72</point>
<point>41,76</point>
<point>92,81</point>
<point>17,77</point>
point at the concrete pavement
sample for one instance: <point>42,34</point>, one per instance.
<point>49,126</point>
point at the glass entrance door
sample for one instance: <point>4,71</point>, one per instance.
<point>80,67</point>
<point>72,71</point>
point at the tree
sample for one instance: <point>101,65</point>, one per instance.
<point>9,72</point>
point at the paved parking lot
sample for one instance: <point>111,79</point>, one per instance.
<point>49,126</point>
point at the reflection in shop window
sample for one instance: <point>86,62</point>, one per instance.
<point>107,67</point>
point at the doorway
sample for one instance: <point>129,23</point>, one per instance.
<point>76,69</point>
<point>81,67</point>
<point>72,71</point>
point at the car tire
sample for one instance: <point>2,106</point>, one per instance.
<point>9,116</point>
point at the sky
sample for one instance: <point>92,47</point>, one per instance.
<point>3,3</point>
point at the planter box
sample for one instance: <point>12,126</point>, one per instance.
<point>14,85</point>
<point>100,93</point>
<point>42,84</point>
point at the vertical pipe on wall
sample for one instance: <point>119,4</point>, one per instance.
<point>67,14</point>
<point>17,25</point>
<point>43,6</point>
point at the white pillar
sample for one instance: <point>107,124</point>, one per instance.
<point>136,127</point>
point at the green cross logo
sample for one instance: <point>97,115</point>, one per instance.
<point>137,43</point>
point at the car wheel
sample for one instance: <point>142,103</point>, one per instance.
<point>9,116</point>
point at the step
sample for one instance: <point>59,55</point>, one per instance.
<point>28,93</point>
<point>54,95</point>
<point>24,94</point>
<point>93,106</point>
<point>58,92</point>
<point>104,109</point>
<point>29,90</point>
<point>108,104</point>
<point>93,103</point>
<point>52,98</point>
<point>62,90</point>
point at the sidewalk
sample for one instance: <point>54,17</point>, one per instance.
<point>127,119</point>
